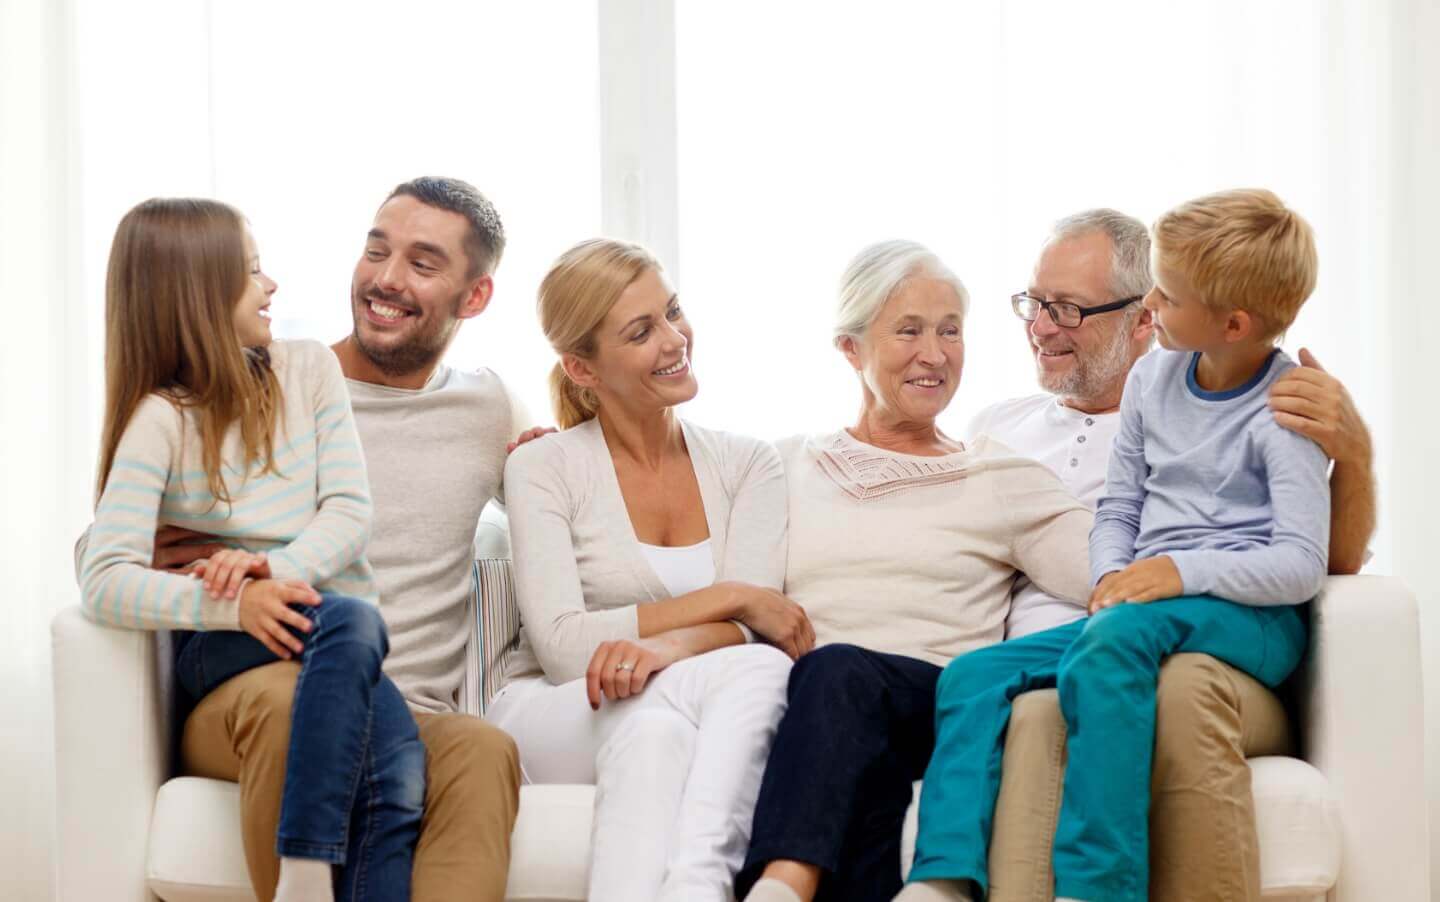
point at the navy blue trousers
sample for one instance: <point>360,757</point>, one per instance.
<point>857,734</point>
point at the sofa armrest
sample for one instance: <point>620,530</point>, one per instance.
<point>113,718</point>
<point>1362,712</point>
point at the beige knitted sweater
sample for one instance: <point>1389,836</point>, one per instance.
<point>916,555</point>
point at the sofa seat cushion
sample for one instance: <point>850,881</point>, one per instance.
<point>195,847</point>
<point>196,855</point>
<point>550,848</point>
<point>1297,820</point>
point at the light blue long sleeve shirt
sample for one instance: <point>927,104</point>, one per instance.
<point>1240,504</point>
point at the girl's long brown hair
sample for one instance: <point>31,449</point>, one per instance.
<point>177,269</point>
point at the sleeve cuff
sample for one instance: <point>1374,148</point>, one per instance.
<point>1103,567</point>
<point>1194,578</point>
<point>220,614</point>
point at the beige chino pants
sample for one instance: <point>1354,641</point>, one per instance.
<point>241,732</point>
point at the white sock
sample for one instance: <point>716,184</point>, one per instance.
<point>768,889</point>
<point>305,880</point>
<point>936,891</point>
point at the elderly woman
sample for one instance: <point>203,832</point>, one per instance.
<point>903,547</point>
<point>648,553</point>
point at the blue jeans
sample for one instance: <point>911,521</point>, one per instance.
<point>355,772</point>
<point>1106,668</point>
<point>856,735</point>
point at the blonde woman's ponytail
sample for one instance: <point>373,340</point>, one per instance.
<point>573,405</point>
<point>575,296</point>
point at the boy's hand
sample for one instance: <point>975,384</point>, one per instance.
<point>1149,580</point>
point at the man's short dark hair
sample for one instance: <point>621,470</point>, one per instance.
<point>485,241</point>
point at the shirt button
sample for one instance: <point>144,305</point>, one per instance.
<point>1074,462</point>
<point>1081,439</point>
<point>1089,421</point>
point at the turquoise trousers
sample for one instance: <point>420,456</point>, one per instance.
<point>1106,668</point>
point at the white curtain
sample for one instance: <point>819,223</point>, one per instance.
<point>972,127</point>
<point>1410,495</point>
<point>46,380</point>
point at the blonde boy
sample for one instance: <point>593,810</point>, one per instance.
<point>1212,532</point>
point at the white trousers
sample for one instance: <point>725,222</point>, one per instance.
<point>676,769</point>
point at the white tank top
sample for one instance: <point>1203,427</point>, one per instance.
<point>682,570</point>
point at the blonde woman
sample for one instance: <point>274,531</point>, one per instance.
<point>648,557</point>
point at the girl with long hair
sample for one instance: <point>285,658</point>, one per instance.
<point>213,427</point>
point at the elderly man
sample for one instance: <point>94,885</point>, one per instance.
<point>1086,328</point>
<point>435,444</point>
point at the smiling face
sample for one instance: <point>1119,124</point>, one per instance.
<point>251,315</point>
<point>413,286</point>
<point>912,353</point>
<point>642,357</point>
<point>1091,360</point>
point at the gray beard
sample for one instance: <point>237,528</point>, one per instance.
<point>1092,377</point>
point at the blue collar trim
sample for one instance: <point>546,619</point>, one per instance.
<point>1227,395</point>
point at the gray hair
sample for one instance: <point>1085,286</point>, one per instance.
<point>1130,243</point>
<point>877,272</point>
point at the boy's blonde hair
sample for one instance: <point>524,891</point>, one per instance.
<point>1243,250</point>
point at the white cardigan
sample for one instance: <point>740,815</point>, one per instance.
<point>580,570</point>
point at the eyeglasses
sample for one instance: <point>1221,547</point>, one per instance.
<point>1062,313</point>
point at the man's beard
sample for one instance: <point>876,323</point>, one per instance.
<point>420,350</point>
<point>1093,376</point>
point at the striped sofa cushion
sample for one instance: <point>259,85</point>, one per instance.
<point>494,633</point>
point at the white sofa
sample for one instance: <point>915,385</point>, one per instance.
<point>1348,823</point>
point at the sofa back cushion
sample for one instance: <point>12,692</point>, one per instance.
<point>494,619</point>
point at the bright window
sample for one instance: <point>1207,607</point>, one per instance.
<point>807,130</point>
<point>306,115</point>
